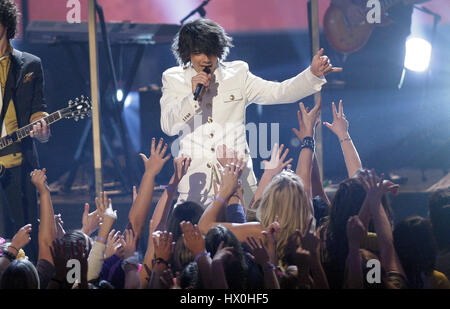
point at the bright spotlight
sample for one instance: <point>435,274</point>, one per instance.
<point>119,95</point>
<point>418,54</point>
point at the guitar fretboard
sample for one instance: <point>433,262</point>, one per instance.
<point>25,131</point>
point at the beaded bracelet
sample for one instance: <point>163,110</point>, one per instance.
<point>200,255</point>
<point>219,198</point>
<point>101,239</point>
<point>345,139</point>
<point>10,246</point>
<point>170,188</point>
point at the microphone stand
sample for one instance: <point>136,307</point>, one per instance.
<point>200,10</point>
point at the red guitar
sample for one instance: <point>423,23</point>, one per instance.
<point>346,26</point>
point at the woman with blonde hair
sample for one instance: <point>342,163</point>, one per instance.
<point>286,203</point>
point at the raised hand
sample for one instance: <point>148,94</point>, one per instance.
<point>340,123</point>
<point>192,238</point>
<point>155,163</point>
<point>59,226</point>
<point>90,221</point>
<point>128,241</point>
<point>259,255</point>
<point>180,167</point>
<point>113,245</point>
<point>230,176</point>
<point>22,238</point>
<point>374,188</point>
<point>355,232</point>
<point>276,163</point>
<point>226,155</point>
<point>307,120</point>
<point>104,206</point>
<point>39,179</point>
<point>222,253</point>
<point>163,245</point>
<point>271,238</point>
<point>309,240</point>
<point>321,66</point>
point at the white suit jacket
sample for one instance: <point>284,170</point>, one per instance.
<point>220,116</point>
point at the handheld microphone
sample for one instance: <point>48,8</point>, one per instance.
<point>199,88</point>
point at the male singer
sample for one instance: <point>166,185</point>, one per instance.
<point>217,117</point>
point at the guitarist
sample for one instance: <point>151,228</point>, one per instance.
<point>21,103</point>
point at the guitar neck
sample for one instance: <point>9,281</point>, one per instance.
<point>25,131</point>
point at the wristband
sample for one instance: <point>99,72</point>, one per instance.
<point>345,139</point>
<point>220,199</point>
<point>200,255</point>
<point>14,248</point>
<point>101,239</point>
<point>307,142</point>
<point>269,267</point>
<point>170,188</point>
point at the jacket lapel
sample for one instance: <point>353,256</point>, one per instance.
<point>14,76</point>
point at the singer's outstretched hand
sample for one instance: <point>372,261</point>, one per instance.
<point>321,66</point>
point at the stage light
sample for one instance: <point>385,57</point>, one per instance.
<point>418,54</point>
<point>119,95</point>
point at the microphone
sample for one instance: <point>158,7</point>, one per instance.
<point>199,88</point>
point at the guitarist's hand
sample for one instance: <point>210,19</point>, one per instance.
<point>41,131</point>
<point>321,66</point>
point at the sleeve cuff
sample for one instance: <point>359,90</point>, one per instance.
<point>316,82</point>
<point>189,110</point>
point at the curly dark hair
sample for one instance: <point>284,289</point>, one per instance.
<point>9,17</point>
<point>202,35</point>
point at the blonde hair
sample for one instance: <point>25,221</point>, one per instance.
<point>286,198</point>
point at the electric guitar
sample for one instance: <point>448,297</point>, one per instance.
<point>78,108</point>
<point>346,26</point>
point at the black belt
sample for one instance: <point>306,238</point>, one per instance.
<point>14,148</point>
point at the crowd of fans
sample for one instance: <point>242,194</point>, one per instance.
<point>290,237</point>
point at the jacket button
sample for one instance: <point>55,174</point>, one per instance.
<point>210,120</point>
<point>208,165</point>
<point>213,149</point>
<point>211,135</point>
<point>232,97</point>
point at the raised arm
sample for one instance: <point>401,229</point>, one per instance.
<point>139,211</point>
<point>193,240</point>
<point>20,240</point>
<point>260,255</point>
<point>374,191</point>
<point>97,254</point>
<point>355,233</point>
<point>271,169</point>
<point>307,123</point>
<point>340,128</point>
<point>47,227</point>
<point>162,209</point>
